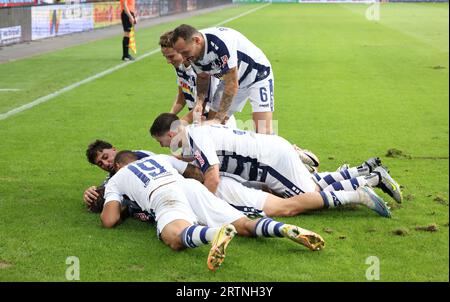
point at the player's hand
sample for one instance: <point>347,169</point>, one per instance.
<point>132,20</point>
<point>90,195</point>
<point>197,113</point>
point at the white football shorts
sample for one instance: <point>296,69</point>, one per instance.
<point>261,95</point>
<point>247,200</point>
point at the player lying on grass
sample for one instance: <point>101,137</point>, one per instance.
<point>186,213</point>
<point>101,154</point>
<point>263,158</point>
<point>186,80</point>
<point>255,202</point>
<point>250,201</point>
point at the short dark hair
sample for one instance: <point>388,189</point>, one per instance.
<point>184,31</point>
<point>125,157</point>
<point>95,147</point>
<point>165,40</point>
<point>162,124</point>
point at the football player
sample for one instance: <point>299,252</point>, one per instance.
<point>264,158</point>
<point>186,80</point>
<point>243,69</point>
<point>186,213</point>
<point>101,154</point>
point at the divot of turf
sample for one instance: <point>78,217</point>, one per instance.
<point>396,153</point>
<point>429,228</point>
<point>440,199</point>
<point>4,264</point>
<point>328,230</point>
<point>410,197</point>
<point>400,232</point>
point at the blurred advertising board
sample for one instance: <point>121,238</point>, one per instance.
<point>11,3</point>
<point>106,13</point>
<point>10,35</point>
<point>57,20</point>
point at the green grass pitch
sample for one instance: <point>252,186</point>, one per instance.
<point>345,87</point>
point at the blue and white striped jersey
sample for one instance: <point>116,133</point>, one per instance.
<point>243,153</point>
<point>226,48</point>
<point>186,80</point>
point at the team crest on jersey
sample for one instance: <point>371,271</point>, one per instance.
<point>199,158</point>
<point>224,60</point>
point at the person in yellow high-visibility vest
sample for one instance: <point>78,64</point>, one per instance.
<point>128,9</point>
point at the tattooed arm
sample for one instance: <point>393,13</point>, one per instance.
<point>231,87</point>
<point>202,88</point>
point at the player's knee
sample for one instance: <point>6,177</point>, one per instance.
<point>176,246</point>
<point>172,239</point>
<point>173,242</point>
<point>289,212</point>
<point>244,227</point>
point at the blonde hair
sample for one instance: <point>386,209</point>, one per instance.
<point>165,39</point>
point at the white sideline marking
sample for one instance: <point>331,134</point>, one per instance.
<point>101,74</point>
<point>9,89</point>
<point>241,15</point>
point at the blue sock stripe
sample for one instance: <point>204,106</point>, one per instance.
<point>329,179</point>
<point>277,228</point>
<point>183,237</point>
<point>265,227</point>
<point>189,233</point>
<point>335,200</point>
<point>348,174</point>
<point>345,174</point>
<point>257,225</point>
<point>326,205</point>
<point>203,235</point>
<point>186,237</point>
<point>317,176</point>
<point>355,183</point>
<point>338,186</point>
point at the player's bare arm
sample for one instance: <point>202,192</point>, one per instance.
<point>193,172</point>
<point>179,103</point>
<point>202,87</point>
<point>189,117</point>
<point>231,88</point>
<point>111,213</point>
<point>212,178</point>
